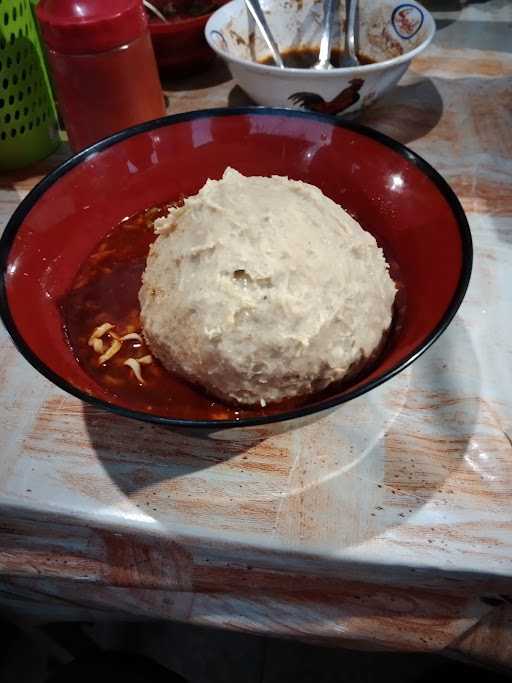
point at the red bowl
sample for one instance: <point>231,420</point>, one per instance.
<point>391,191</point>
<point>180,45</point>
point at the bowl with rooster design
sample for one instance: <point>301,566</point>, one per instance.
<point>391,34</point>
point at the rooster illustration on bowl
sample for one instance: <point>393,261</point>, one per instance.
<point>345,99</point>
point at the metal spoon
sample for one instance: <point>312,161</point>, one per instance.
<point>350,57</point>
<point>154,10</point>
<point>254,8</point>
<point>324,54</point>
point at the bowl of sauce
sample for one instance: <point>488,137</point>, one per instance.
<point>391,34</point>
<point>180,45</point>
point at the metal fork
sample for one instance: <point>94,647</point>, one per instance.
<point>324,54</point>
<point>350,57</point>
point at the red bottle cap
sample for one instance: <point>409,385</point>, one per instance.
<point>85,26</point>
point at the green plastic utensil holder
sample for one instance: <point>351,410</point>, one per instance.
<point>28,120</point>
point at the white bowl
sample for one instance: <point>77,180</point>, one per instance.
<point>391,32</point>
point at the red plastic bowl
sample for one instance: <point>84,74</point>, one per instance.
<point>391,191</point>
<point>180,45</point>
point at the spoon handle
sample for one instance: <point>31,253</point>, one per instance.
<point>254,8</point>
<point>154,10</point>
<point>324,54</point>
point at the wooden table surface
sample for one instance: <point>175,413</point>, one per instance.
<point>385,524</point>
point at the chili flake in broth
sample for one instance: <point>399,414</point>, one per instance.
<point>104,295</point>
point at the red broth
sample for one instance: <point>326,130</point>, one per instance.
<point>105,290</point>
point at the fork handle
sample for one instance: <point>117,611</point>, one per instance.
<point>350,41</point>
<point>324,54</point>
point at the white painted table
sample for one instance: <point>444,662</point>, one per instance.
<point>386,524</point>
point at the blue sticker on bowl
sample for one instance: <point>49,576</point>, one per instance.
<point>407,20</point>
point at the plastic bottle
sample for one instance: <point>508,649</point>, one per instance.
<point>103,66</point>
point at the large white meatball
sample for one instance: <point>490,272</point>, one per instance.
<point>261,289</point>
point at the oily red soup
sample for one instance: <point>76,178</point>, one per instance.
<point>105,290</point>
<point>105,294</point>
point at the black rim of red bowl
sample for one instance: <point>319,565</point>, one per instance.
<point>30,200</point>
